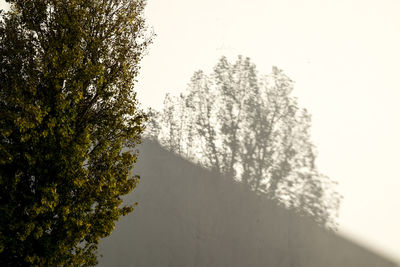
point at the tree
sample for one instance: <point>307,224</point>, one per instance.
<point>253,130</point>
<point>67,108</point>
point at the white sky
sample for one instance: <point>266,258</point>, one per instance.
<point>345,59</point>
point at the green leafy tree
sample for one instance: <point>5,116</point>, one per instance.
<point>250,128</point>
<point>67,108</point>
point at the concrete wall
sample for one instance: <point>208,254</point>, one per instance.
<point>188,216</point>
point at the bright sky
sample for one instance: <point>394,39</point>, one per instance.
<point>345,59</point>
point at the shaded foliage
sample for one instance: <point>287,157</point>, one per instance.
<point>67,107</point>
<point>250,128</point>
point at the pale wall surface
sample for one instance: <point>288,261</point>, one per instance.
<point>343,56</point>
<point>189,217</point>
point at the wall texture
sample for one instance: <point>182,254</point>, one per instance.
<point>188,216</point>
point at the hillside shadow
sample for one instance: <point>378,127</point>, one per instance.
<point>190,216</point>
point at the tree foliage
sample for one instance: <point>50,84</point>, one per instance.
<point>67,108</point>
<point>250,128</point>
